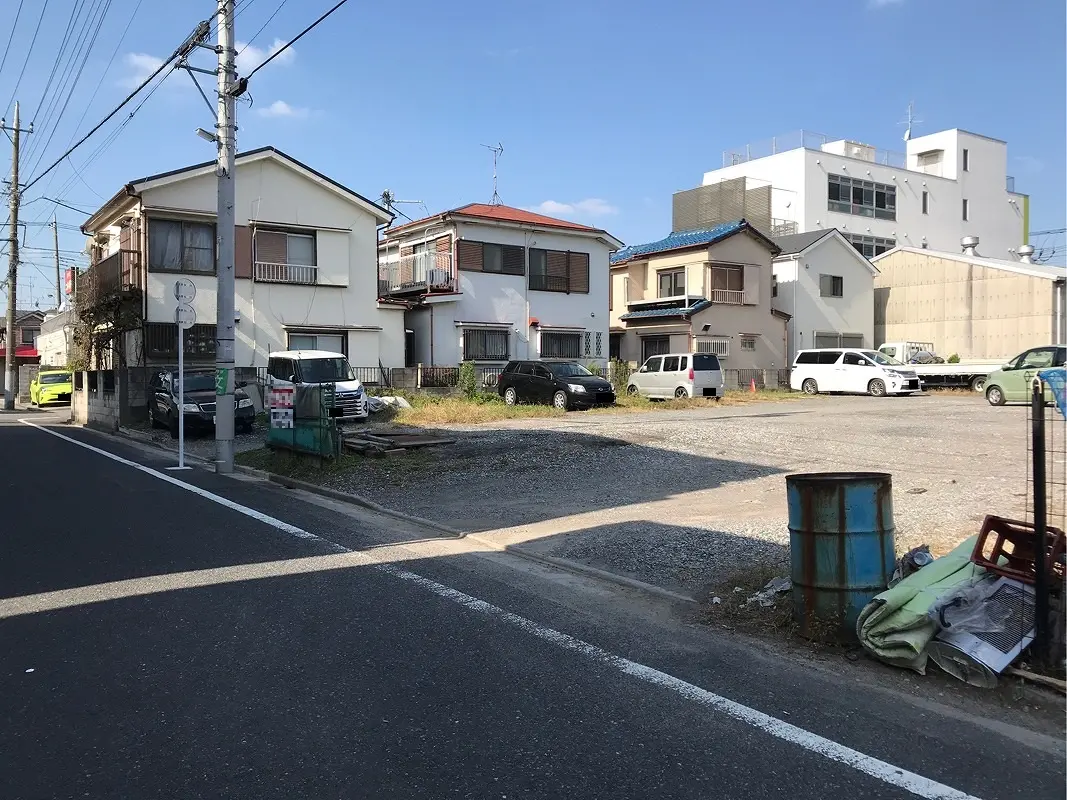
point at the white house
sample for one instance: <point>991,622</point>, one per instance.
<point>489,283</point>
<point>305,263</point>
<point>947,186</point>
<point>827,287</point>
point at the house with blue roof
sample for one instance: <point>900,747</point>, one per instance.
<point>699,291</point>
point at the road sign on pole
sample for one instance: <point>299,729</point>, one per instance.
<point>184,318</point>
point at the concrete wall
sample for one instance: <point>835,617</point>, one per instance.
<point>978,312</point>
<point>97,408</point>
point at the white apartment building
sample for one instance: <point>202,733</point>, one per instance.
<point>946,186</point>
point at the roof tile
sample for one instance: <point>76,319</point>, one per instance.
<point>683,239</point>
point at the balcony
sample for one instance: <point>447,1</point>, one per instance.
<point>268,272</point>
<point>731,297</point>
<point>119,272</point>
<point>782,227</point>
<point>420,273</point>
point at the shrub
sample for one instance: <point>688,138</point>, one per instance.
<point>954,358</point>
<point>619,375</point>
<point>595,368</point>
<point>467,382</point>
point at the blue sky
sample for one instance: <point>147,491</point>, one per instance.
<point>603,108</point>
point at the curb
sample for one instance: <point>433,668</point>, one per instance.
<point>553,561</point>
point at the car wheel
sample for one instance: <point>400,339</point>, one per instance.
<point>632,390</point>
<point>559,400</point>
<point>876,388</point>
<point>994,395</point>
<point>680,393</point>
<point>810,386</point>
<point>978,384</point>
<point>511,397</point>
<point>172,426</point>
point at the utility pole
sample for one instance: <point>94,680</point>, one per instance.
<point>226,136</point>
<point>12,262</point>
<point>55,243</point>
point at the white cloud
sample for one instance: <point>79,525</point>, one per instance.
<point>590,207</point>
<point>281,109</point>
<point>883,3</point>
<point>139,66</point>
<point>249,56</point>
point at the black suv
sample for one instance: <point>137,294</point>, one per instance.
<point>199,402</point>
<point>564,384</point>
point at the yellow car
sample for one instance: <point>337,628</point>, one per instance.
<point>50,386</point>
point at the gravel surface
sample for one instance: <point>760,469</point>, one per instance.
<point>202,443</point>
<point>687,499</point>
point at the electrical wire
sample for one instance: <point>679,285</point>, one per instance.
<point>261,27</point>
<point>59,57</point>
<point>26,61</point>
<point>293,41</point>
<point>11,36</point>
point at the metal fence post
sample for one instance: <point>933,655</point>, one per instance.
<point>1040,646</point>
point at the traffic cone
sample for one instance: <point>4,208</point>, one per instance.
<point>752,387</point>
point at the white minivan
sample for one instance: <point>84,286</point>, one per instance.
<point>318,367</point>
<point>851,371</point>
<point>678,375</point>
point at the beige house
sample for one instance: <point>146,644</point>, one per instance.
<point>704,291</point>
<point>980,308</point>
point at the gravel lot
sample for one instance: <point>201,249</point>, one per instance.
<point>202,443</point>
<point>686,499</point>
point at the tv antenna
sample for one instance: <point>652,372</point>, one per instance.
<point>497,151</point>
<point>910,121</point>
<point>389,201</point>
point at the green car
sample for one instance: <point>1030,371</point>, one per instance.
<point>1011,383</point>
<point>50,386</point>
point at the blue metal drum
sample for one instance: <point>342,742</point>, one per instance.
<point>841,545</point>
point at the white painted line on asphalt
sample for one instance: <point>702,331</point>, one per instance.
<point>876,768</point>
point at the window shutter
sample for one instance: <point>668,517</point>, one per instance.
<point>751,285</point>
<point>242,251</point>
<point>514,260</point>
<point>470,255</point>
<point>579,272</point>
<point>556,271</point>
<point>443,244</point>
<point>271,247</point>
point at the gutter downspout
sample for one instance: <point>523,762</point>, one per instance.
<point>793,319</point>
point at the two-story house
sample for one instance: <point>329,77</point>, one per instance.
<point>305,263</point>
<point>489,283</point>
<point>703,291</point>
<point>27,329</point>
<point>827,287</point>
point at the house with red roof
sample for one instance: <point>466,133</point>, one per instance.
<point>490,283</point>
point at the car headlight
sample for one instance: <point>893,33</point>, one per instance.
<point>191,407</point>
<point>577,388</point>
<point>244,402</point>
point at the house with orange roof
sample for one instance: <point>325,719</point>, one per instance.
<point>491,283</point>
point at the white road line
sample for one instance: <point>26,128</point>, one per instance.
<point>876,768</point>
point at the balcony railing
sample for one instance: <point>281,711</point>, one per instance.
<point>733,297</point>
<point>120,271</point>
<point>266,272</point>
<point>421,272</point>
<point>783,227</point>
<point>717,345</point>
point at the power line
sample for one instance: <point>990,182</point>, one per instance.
<point>11,36</point>
<point>290,43</point>
<point>26,61</point>
<point>197,36</point>
<point>261,27</point>
<point>59,57</point>
<point>72,208</point>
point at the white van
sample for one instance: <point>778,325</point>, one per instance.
<point>318,367</point>
<point>851,371</point>
<point>678,375</point>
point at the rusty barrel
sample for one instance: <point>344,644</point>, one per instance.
<point>841,547</point>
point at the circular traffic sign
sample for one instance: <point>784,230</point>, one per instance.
<point>184,316</point>
<point>184,290</point>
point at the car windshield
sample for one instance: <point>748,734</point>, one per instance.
<point>569,371</point>
<point>325,370</point>
<point>55,377</point>
<point>197,381</point>
<point>881,358</point>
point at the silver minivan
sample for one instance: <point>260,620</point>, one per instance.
<point>678,375</point>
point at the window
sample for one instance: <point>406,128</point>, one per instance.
<point>748,344</point>
<point>331,341</point>
<point>862,198</point>
<point>655,346</point>
<point>670,364</point>
<point>705,362</point>
<point>1038,358</point>
<point>810,357</point>
<point>506,259</point>
<point>828,357</point>
<point>870,246</point>
<point>671,282</point>
<point>833,339</point>
<point>926,202</point>
<point>282,257</point>
<point>281,368</point>
<point>831,286</point>
<point>181,246</point>
<point>653,364</point>
<point>774,285</point>
<point>557,344</point>
<point>483,344</point>
<point>855,360</point>
<point>559,271</point>
<point>161,342</point>
<point>729,278</point>
<point>966,160</point>
<point>29,335</point>
<point>966,209</point>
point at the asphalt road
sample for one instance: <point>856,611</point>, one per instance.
<point>157,643</point>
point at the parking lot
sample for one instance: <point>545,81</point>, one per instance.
<point>686,499</point>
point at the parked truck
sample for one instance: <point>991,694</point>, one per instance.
<point>935,372</point>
